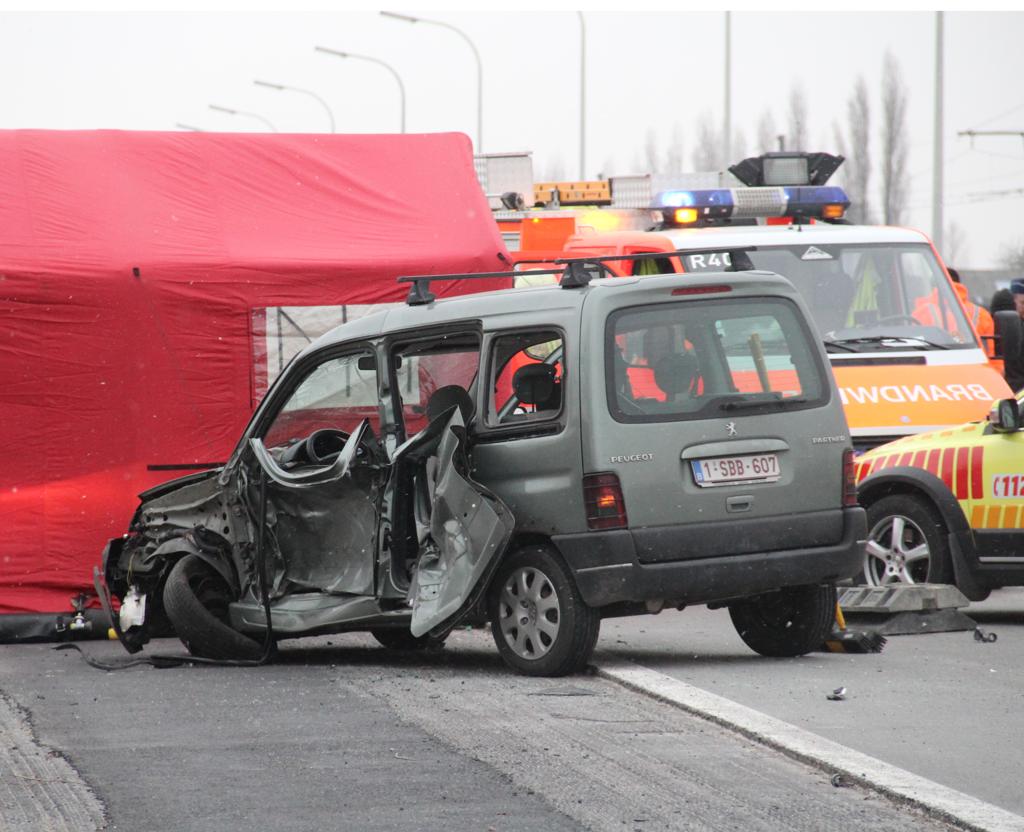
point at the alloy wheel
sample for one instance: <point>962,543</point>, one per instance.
<point>528,612</point>
<point>897,552</point>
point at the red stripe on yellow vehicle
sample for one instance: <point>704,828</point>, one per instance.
<point>961,474</point>
<point>977,483</point>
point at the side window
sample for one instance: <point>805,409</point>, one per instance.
<point>339,394</point>
<point>527,376</point>
<point>423,367</point>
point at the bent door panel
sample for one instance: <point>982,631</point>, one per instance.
<point>324,518</point>
<point>468,530</point>
<point>322,496</point>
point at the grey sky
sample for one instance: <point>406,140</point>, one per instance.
<point>148,71</point>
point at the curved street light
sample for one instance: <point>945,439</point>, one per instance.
<point>182,126</point>
<point>387,66</point>
<point>479,68</point>
<point>233,112</point>
<point>285,87</point>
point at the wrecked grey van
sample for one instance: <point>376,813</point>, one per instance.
<point>555,455</point>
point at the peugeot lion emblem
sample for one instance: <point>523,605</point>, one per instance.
<point>730,428</point>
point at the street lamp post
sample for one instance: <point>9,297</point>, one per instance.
<point>233,112</point>
<point>285,87</point>
<point>479,68</point>
<point>401,87</point>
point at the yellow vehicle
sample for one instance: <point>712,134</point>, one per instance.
<point>947,506</point>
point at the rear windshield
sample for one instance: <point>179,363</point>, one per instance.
<point>698,359</point>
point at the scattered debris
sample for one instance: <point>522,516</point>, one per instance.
<point>838,695</point>
<point>838,781</point>
<point>842,640</point>
<point>981,635</point>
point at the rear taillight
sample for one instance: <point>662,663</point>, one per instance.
<point>602,496</point>
<point>849,479</point>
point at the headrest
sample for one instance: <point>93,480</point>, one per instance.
<point>675,373</point>
<point>445,398</point>
<point>534,383</point>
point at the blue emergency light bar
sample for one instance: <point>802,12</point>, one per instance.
<point>800,201</point>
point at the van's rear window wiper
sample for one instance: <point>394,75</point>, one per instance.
<point>837,345</point>
<point>760,400</point>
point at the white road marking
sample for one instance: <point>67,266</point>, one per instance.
<point>940,801</point>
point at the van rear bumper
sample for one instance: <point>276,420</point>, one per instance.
<point>607,569</point>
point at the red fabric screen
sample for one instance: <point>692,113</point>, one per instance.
<point>105,371</point>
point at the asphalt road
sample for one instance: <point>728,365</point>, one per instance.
<point>343,734</point>
<point>942,705</point>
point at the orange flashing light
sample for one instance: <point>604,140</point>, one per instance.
<point>685,216</point>
<point>832,212</point>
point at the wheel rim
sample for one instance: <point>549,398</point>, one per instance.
<point>897,553</point>
<point>529,614</point>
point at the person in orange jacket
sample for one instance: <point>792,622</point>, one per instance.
<point>979,316</point>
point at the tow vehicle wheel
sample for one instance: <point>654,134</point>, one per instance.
<point>539,621</point>
<point>790,622</point>
<point>398,639</point>
<point>906,543</point>
<point>196,599</point>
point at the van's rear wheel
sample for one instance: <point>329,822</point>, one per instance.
<point>790,622</point>
<point>539,620</point>
<point>196,599</point>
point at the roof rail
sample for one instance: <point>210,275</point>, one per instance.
<point>574,271</point>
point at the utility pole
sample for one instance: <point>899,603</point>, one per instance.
<point>583,97</point>
<point>727,121</point>
<point>937,154</point>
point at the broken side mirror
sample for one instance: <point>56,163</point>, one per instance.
<point>1009,334</point>
<point>1005,416</point>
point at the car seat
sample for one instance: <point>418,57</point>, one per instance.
<point>676,374</point>
<point>445,398</point>
<point>536,384</point>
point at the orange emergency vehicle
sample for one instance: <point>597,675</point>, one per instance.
<point>905,356</point>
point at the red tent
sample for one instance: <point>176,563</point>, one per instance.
<point>151,284</point>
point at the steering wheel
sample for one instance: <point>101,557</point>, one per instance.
<point>319,448</point>
<point>899,319</point>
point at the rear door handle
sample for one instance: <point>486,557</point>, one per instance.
<point>738,504</point>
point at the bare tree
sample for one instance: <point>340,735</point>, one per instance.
<point>674,153</point>
<point>652,157</point>
<point>554,168</point>
<point>1012,256</point>
<point>739,146</point>
<point>955,243</point>
<point>895,184</point>
<point>796,139</point>
<point>857,168</point>
<point>707,155</point>
<point>766,133</point>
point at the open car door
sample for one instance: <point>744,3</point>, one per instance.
<point>461,529</point>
